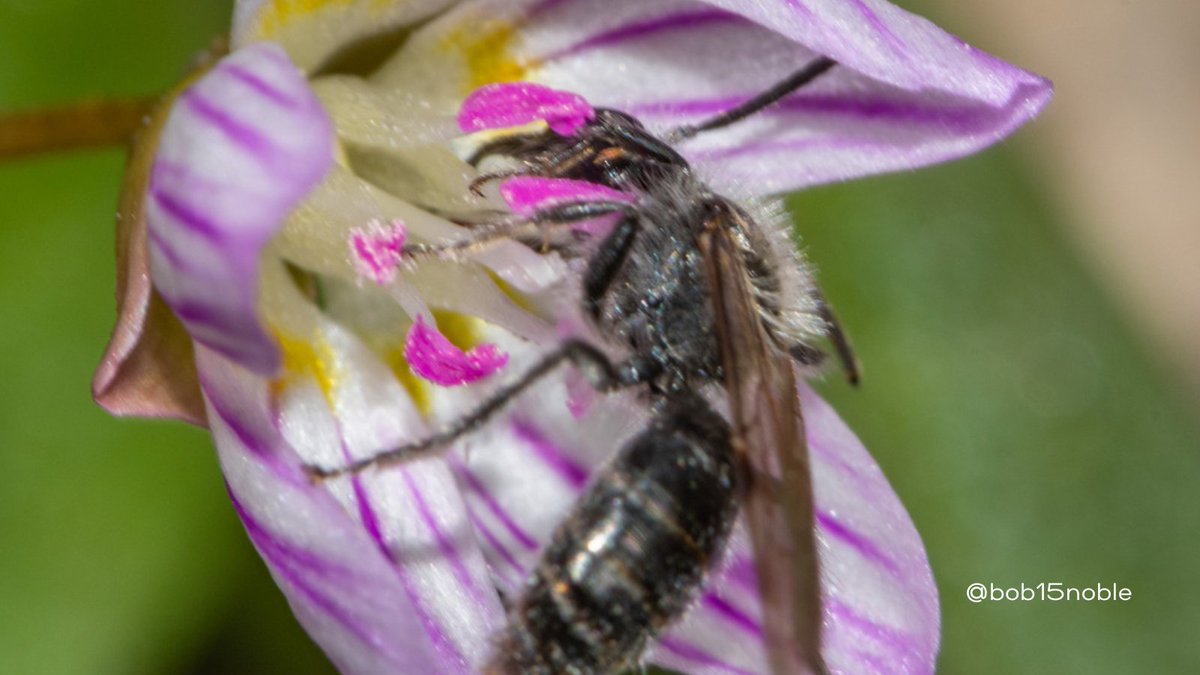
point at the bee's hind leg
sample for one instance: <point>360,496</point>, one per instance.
<point>840,340</point>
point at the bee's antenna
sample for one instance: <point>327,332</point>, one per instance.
<point>794,81</point>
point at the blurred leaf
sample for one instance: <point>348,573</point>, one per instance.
<point>112,529</point>
<point>1028,433</point>
<point>121,553</point>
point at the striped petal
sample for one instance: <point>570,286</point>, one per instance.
<point>382,568</point>
<point>240,150</point>
<point>314,30</point>
<point>905,95</point>
<point>334,575</point>
<point>881,605</point>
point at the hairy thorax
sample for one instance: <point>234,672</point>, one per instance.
<point>659,303</point>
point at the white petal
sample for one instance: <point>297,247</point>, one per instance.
<point>905,93</point>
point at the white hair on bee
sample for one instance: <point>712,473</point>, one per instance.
<point>788,303</point>
<point>786,298</point>
<point>784,288</point>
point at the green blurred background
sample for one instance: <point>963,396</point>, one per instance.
<point>1032,428</point>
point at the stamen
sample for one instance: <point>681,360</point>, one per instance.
<point>376,250</point>
<point>434,358</point>
<point>500,106</point>
<point>526,195</point>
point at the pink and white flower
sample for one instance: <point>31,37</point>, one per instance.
<point>291,173</point>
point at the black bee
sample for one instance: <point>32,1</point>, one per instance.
<point>698,291</point>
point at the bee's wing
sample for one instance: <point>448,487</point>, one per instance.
<point>768,438</point>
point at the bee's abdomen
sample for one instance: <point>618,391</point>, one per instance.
<point>632,554</point>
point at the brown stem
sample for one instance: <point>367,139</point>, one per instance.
<point>87,124</point>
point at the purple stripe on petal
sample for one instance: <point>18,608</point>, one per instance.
<point>286,551</point>
<point>754,150</point>
<point>686,108</point>
<point>263,87</point>
<point>732,614</point>
<point>244,435</point>
<point>874,664</point>
<point>898,645</point>
<point>212,316</point>
<point>442,643</point>
<point>861,544</point>
<point>800,8</point>
<point>892,40</point>
<point>644,29</point>
<point>495,544</point>
<point>268,547</point>
<point>250,138</point>
<point>192,219</point>
<point>575,475</point>
<point>698,656</point>
<point>543,7</point>
<point>742,573</point>
<point>220,328</point>
<point>447,547</point>
<point>477,487</point>
<point>962,119</point>
<point>166,248</point>
<point>849,471</point>
<point>261,448</point>
<point>368,517</point>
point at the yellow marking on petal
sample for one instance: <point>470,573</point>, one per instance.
<point>464,332</point>
<point>517,297</point>
<point>313,359</point>
<point>277,14</point>
<point>487,49</point>
<point>420,391</point>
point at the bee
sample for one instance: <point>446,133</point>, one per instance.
<point>701,294</point>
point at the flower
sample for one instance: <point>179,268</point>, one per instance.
<point>271,202</point>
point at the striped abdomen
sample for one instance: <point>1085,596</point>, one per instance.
<point>632,554</point>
